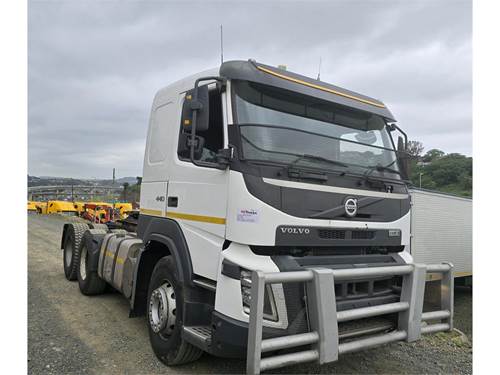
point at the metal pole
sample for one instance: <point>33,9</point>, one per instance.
<point>447,293</point>
<point>323,314</point>
<point>420,177</point>
<point>412,292</point>
<point>254,347</point>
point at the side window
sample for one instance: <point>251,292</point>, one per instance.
<point>159,134</point>
<point>213,137</point>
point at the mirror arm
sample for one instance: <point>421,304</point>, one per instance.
<point>404,135</point>
<point>224,157</point>
<point>197,106</point>
<point>402,155</point>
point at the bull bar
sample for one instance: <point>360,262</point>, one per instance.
<point>324,318</point>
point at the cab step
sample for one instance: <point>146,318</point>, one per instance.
<point>199,336</point>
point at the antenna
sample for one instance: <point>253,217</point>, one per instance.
<point>319,69</point>
<point>221,46</point>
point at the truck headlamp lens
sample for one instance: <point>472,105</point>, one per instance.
<point>270,312</point>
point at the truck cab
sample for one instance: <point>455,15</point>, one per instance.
<point>251,170</point>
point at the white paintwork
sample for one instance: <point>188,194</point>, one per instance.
<point>149,192</point>
<point>333,189</point>
<point>159,133</point>
<point>204,247</point>
<point>441,226</point>
<point>228,300</point>
<point>269,218</point>
<point>406,255</point>
<point>200,190</point>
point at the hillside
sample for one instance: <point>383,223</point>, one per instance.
<point>55,181</point>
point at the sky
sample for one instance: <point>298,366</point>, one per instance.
<point>95,66</point>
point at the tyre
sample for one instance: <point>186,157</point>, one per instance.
<point>89,282</point>
<point>71,249</point>
<point>99,226</point>
<point>165,305</point>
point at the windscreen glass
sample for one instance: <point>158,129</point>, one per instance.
<point>279,126</point>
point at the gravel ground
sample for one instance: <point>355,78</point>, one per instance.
<point>69,333</point>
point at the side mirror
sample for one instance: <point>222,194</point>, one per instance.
<point>200,105</point>
<point>403,158</point>
<point>184,146</point>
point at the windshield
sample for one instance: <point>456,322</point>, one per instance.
<point>279,126</point>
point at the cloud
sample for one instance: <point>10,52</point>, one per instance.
<point>94,67</point>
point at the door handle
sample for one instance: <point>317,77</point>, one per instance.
<point>172,201</point>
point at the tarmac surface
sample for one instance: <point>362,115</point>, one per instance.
<point>69,333</point>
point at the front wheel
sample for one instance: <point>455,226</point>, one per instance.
<point>165,306</point>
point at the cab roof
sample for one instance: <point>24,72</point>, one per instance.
<point>256,72</point>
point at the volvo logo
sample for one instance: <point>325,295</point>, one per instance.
<point>295,230</point>
<point>351,207</point>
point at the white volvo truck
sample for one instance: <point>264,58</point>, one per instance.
<point>274,225</point>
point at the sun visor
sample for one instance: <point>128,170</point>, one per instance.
<point>268,75</point>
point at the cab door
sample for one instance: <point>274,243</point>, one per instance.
<point>197,195</point>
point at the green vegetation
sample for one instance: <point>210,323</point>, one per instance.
<point>450,173</point>
<point>131,193</point>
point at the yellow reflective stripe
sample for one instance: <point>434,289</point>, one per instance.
<point>191,217</point>
<point>147,211</point>
<point>204,219</point>
<point>366,101</point>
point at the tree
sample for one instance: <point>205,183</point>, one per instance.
<point>449,168</point>
<point>415,149</point>
<point>432,155</point>
<point>450,173</point>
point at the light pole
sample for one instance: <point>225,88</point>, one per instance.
<point>420,178</point>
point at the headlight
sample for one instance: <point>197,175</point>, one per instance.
<point>270,312</point>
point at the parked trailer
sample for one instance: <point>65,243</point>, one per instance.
<point>274,213</point>
<point>32,209</point>
<point>441,230</point>
<point>62,208</point>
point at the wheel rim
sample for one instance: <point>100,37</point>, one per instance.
<point>68,253</point>
<point>83,263</point>
<point>162,309</point>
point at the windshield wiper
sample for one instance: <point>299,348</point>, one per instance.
<point>381,168</point>
<point>319,158</point>
<point>308,175</point>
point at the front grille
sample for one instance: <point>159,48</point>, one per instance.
<point>356,294</point>
<point>363,234</point>
<point>331,234</point>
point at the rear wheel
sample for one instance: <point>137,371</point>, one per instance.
<point>88,280</point>
<point>71,250</point>
<point>165,305</point>
<point>99,226</point>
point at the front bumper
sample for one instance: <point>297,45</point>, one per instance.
<point>323,342</point>
<point>230,336</point>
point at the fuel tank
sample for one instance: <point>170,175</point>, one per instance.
<point>117,260</point>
